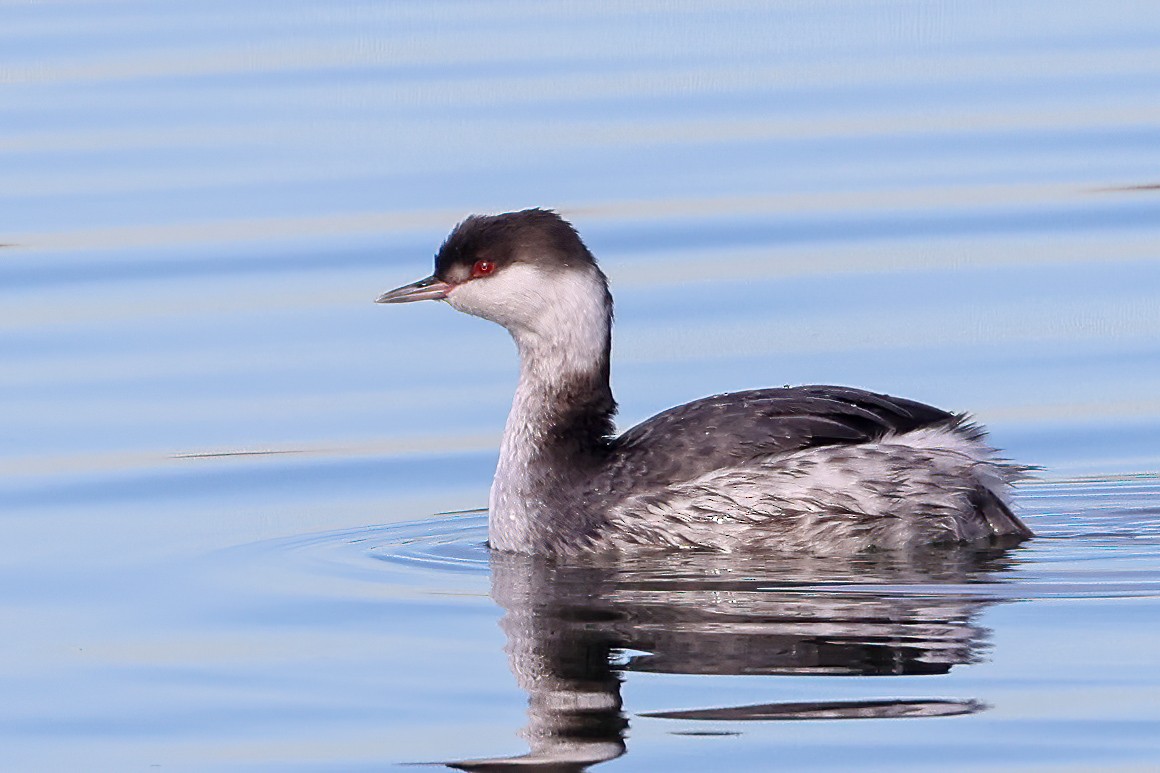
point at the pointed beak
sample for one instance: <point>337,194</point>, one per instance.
<point>429,289</point>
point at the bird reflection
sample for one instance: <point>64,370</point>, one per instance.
<point>573,631</point>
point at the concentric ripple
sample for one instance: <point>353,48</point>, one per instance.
<point>1096,538</point>
<point>449,543</point>
<point>423,556</point>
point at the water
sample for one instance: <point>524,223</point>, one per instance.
<point>221,464</point>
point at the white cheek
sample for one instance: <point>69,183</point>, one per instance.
<point>520,297</point>
<point>561,314</point>
<point>507,298</point>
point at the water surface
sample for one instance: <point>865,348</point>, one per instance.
<point>221,465</point>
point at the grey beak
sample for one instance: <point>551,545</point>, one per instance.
<point>429,289</point>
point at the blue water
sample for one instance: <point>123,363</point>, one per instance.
<point>222,466</point>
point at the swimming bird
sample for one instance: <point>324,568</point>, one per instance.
<point>819,469</point>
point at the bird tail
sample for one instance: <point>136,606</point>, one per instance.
<point>998,515</point>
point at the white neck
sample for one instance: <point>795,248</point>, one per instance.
<point>560,323</point>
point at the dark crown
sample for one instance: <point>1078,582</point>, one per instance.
<point>531,235</point>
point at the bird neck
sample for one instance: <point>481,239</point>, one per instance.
<point>558,431</point>
<point>563,406</point>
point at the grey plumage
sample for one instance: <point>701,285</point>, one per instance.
<point>817,468</point>
<point>737,428</point>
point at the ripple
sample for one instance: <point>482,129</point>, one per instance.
<point>421,556</point>
<point>872,709</point>
<point>456,543</point>
<point>1099,538</point>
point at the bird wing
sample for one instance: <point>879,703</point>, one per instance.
<point>734,428</point>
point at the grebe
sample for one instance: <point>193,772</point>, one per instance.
<point>821,469</point>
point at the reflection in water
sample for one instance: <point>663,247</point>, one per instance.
<point>571,630</point>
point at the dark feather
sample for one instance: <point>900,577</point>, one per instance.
<point>732,429</point>
<point>998,515</point>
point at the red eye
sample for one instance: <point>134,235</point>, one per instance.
<point>482,268</point>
